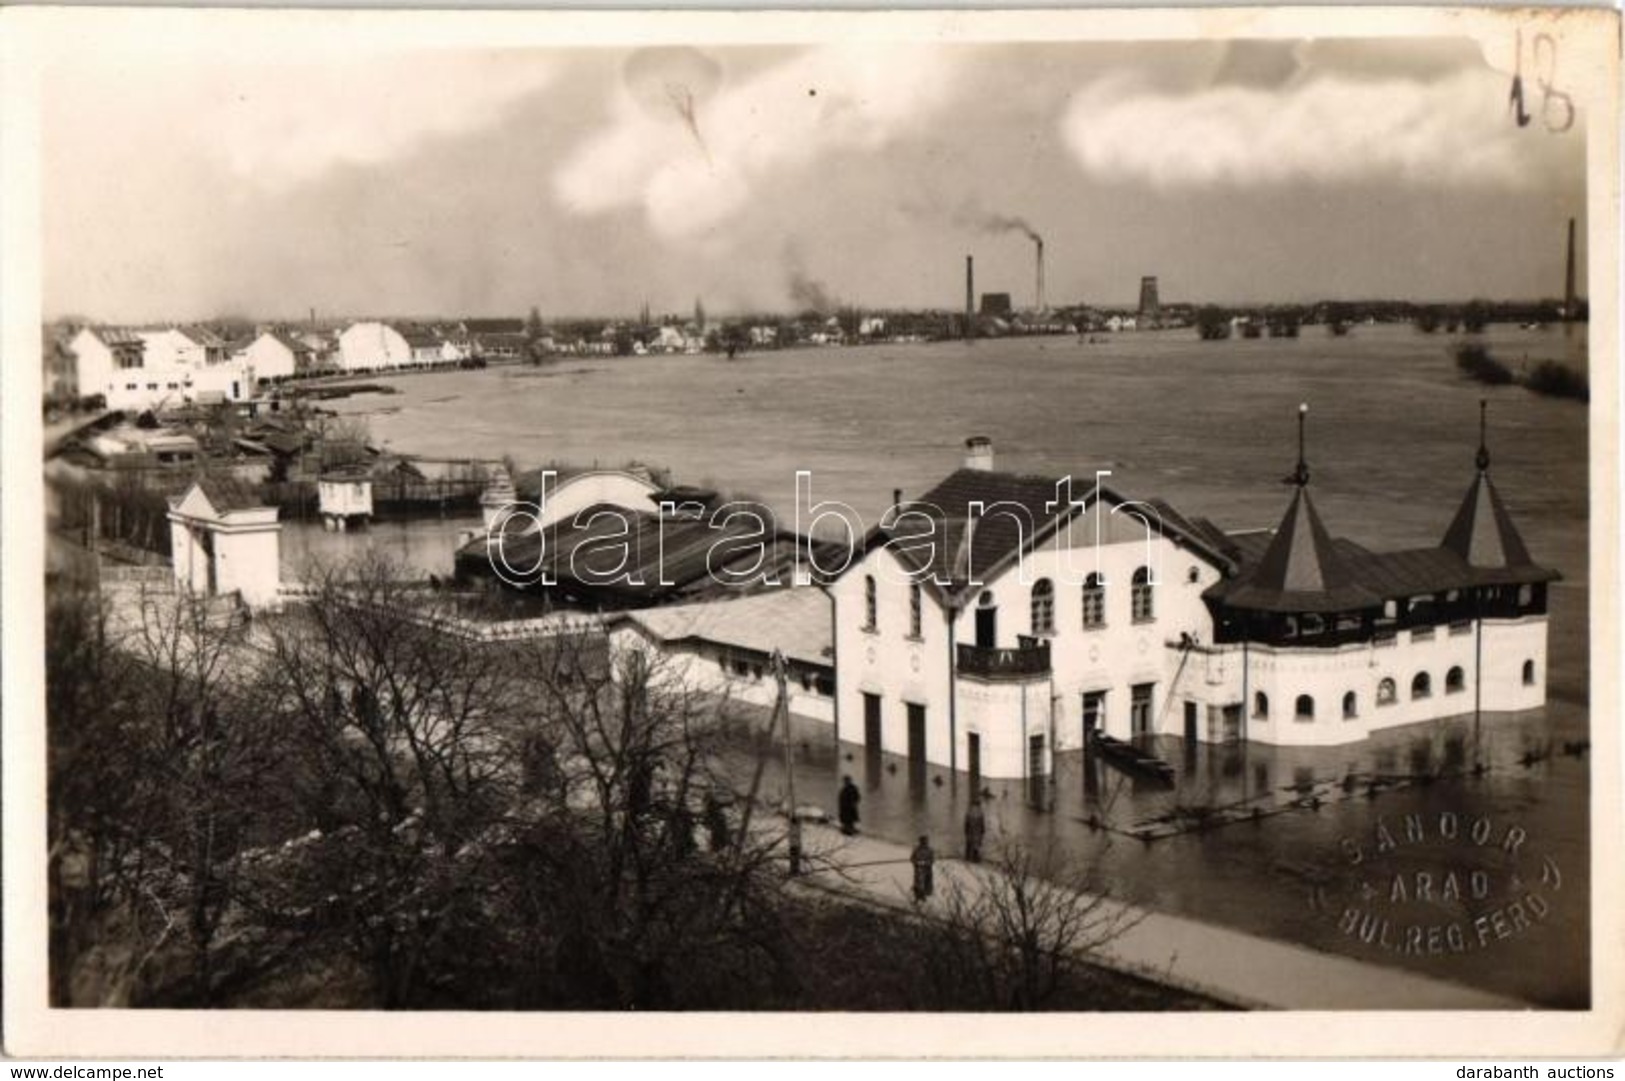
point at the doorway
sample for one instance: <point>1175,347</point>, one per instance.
<point>973,758</point>
<point>871,738</point>
<point>1035,771</point>
<point>1190,723</point>
<point>1140,696</point>
<point>916,744</point>
<point>987,622</point>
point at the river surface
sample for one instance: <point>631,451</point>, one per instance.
<point>1208,426</point>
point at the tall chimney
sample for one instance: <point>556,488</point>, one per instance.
<point>979,453</point>
<point>1568,282</point>
<point>1040,243</point>
<point>970,297</point>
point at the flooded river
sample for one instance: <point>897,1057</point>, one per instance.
<point>1208,427</point>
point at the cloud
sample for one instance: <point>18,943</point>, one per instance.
<point>281,125</point>
<point>692,165</point>
<point>1324,128</point>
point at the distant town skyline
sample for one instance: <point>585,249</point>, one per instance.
<point>593,182</point>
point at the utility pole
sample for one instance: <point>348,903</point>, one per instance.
<point>782,707</point>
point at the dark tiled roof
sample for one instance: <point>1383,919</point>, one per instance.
<point>118,337</point>
<point>288,340</point>
<point>420,339</point>
<point>226,494</point>
<point>653,560</point>
<point>1301,568</point>
<point>1482,532</point>
<point>1016,509</point>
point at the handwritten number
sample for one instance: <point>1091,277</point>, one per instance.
<point>1550,96</point>
<point>1556,107</point>
<point>1516,100</point>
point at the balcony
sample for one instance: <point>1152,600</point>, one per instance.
<point>1029,661</point>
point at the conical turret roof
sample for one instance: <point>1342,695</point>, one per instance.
<point>1482,532</point>
<point>1301,570</point>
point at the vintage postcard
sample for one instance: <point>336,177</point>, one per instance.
<point>811,534</point>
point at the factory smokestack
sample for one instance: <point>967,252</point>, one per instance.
<point>970,297</point>
<point>1039,241</point>
<point>1568,281</point>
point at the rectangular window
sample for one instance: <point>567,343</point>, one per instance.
<point>1094,604</point>
<point>1094,711</point>
<point>916,612</point>
<point>1141,696</point>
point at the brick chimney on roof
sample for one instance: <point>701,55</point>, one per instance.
<point>979,453</point>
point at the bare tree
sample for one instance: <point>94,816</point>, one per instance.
<point>209,745</point>
<point>93,796</point>
<point>392,712</point>
<point>635,903</point>
<point>1009,935</point>
<point>157,763</point>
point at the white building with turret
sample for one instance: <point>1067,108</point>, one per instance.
<point>1001,618</point>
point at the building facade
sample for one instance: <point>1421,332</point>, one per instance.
<point>368,346</point>
<point>1001,619</point>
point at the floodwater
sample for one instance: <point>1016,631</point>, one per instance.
<point>1210,427</point>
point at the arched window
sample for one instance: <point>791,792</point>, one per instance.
<point>1304,708</point>
<point>1351,706</point>
<point>1421,686</point>
<point>1094,601</point>
<point>870,604</point>
<point>1142,602</point>
<point>1455,680</point>
<point>1261,706</point>
<point>916,611</point>
<point>1043,607</point>
<point>1528,673</point>
<point>1387,692</point>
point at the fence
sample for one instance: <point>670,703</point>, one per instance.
<point>391,498</point>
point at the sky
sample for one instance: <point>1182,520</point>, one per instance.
<point>592,181</point>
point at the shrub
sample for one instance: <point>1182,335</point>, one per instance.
<point>1476,362</point>
<point>1558,381</point>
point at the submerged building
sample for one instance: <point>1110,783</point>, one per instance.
<point>1001,618</point>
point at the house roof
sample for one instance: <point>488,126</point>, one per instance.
<point>225,494</point>
<point>961,545</point>
<point>637,558</point>
<point>202,336</point>
<point>288,340</point>
<point>1482,532</point>
<point>118,337</point>
<point>1301,570</point>
<point>794,621</point>
<point>419,339</point>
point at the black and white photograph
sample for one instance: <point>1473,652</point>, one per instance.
<point>848,522</point>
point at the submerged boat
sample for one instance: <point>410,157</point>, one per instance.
<point>1130,759</point>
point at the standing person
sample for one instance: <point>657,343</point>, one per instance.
<point>848,806</point>
<point>975,830</point>
<point>716,822</point>
<point>923,860</point>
